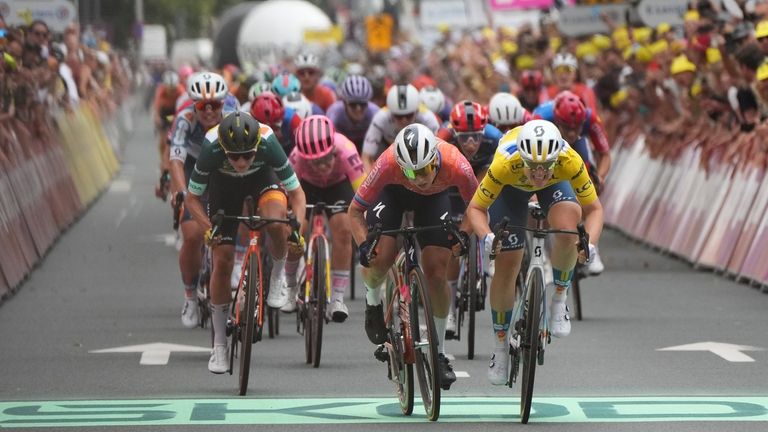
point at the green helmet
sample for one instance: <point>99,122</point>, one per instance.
<point>239,132</point>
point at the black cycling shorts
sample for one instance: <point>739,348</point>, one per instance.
<point>394,200</point>
<point>228,193</point>
<point>339,194</point>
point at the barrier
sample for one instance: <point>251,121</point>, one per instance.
<point>47,180</point>
<point>697,206</point>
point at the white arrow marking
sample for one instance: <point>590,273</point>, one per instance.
<point>156,353</point>
<point>729,352</point>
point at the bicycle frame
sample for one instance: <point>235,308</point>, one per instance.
<point>537,251</point>
<point>317,234</point>
<point>254,247</point>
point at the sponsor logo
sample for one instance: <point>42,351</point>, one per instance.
<point>378,208</point>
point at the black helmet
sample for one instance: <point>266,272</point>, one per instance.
<point>239,132</point>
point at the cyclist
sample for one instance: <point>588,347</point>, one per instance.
<point>185,100</point>
<point>565,68</point>
<point>506,112</point>
<point>352,115</point>
<point>162,115</point>
<point>309,73</point>
<point>402,110</point>
<point>434,100</point>
<point>207,93</point>
<point>239,158</point>
<point>256,89</point>
<point>532,158</point>
<point>268,109</point>
<point>531,89</point>
<point>414,173</point>
<point>301,105</point>
<point>285,83</point>
<point>470,132</point>
<point>330,171</point>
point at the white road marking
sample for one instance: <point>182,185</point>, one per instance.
<point>461,374</point>
<point>120,185</point>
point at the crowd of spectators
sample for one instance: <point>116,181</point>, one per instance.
<point>42,73</point>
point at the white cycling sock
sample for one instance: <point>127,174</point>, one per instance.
<point>219,317</point>
<point>339,282</point>
<point>372,295</point>
<point>278,265</point>
<point>290,271</point>
<point>454,285</point>
<point>440,324</point>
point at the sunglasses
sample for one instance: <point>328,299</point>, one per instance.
<point>409,116</point>
<point>421,172</point>
<point>325,160</point>
<point>203,104</point>
<point>305,72</point>
<point>536,166</point>
<point>40,33</point>
<point>357,105</point>
<point>236,156</point>
<point>465,137</point>
<point>564,69</point>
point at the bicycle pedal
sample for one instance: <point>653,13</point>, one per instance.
<point>381,354</point>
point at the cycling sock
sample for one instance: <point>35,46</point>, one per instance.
<point>501,321</point>
<point>189,289</point>
<point>454,285</point>
<point>240,251</point>
<point>290,271</point>
<point>339,282</point>
<point>440,324</point>
<point>562,283</point>
<point>278,265</point>
<point>219,317</point>
<point>372,295</point>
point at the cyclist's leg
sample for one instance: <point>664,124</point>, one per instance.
<point>457,213</point>
<point>341,246</point>
<point>563,213</point>
<point>273,203</point>
<point>190,258</point>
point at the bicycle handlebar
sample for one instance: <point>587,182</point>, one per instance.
<point>502,229</point>
<point>449,226</point>
<point>323,206</point>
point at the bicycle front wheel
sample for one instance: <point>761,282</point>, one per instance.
<point>248,321</point>
<point>400,337</point>
<point>576,291</point>
<point>425,344</point>
<point>530,342</point>
<point>472,278</point>
<point>317,302</point>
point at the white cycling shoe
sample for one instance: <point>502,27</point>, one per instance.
<point>559,320</point>
<point>278,291</point>
<point>450,325</point>
<point>498,370</point>
<point>595,266</point>
<point>337,311</point>
<point>190,316</point>
<point>218,361</point>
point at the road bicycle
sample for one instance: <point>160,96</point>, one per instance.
<point>473,289</point>
<point>579,274</point>
<point>529,333</point>
<point>246,320</point>
<point>313,301</point>
<point>412,338</point>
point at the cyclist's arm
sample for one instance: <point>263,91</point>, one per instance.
<point>486,193</point>
<point>196,209</point>
<point>382,174</point>
<point>592,209</point>
<point>599,139</point>
<point>198,183</point>
<point>593,220</point>
<point>373,137</point>
<point>178,152</point>
<point>359,228</point>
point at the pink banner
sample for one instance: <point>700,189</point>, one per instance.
<point>521,4</point>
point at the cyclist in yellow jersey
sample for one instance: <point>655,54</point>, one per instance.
<point>532,158</point>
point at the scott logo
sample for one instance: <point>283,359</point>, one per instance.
<point>538,131</point>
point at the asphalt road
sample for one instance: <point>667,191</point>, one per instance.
<point>112,281</point>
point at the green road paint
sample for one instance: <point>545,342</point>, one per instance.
<point>160,412</point>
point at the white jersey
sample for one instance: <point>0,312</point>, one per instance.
<point>383,130</point>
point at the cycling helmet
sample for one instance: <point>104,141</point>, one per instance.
<point>285,83</point>
<point>185,72</point>
<point>355,69</point>
<point>505,109</point>
<point>170,78</point>
<point>239,132</point>
<point>356,88</point>
<point>258,88</point>
<point>267,108</point>
<point>415,147</point>
<point>468,116</point>
<point>539,141</point>
<point>569,109</point>
<point>299,103</point>
<point>565,59</point>
<point>314,137</point>
<point>403,99</point>
<point>307,61</point>
<point>432,98</point>
<point>206,86</point>
<point>531,79</point>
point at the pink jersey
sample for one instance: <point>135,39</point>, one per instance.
<point>453,170</point>
<point>347,165</point>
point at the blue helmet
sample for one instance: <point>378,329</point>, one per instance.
<point>356,88</point>
<point>285,83</point>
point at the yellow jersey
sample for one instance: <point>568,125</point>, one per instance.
<point>507,169</point>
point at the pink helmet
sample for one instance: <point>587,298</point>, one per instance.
<point>315,137</point>
<point>184,72</point>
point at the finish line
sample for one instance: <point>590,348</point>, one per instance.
<point>243,411</point>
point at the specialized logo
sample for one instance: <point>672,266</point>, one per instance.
<point>378,208</point>
<point>410,136</point>
<point>445,215</point>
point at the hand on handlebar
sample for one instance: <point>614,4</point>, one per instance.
<point>364,250</point>
<point>212,238</point>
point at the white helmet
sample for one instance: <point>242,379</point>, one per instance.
<point>565,59</point>
<point>432,98</point>
<point>299,103</point>
<point>207,85</point>
<point>403,99</point>
<point>539,141</point>
<point>170,78</point>
<point>307,61</point>
<point>355,69</point>
<point>505,109</point>
<point>258,88</point>
<point>415,147</point>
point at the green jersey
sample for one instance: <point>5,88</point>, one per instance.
<point>269,155</point>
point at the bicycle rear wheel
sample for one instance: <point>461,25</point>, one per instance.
<point>400,337</point>
<point>472,278</point>
<point>352,265</point>
<point>576,290</point>
<point>248,320</point>
<point>530,343</point>
<point>318,299</point>
<point>425,344</point>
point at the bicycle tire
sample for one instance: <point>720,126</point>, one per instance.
<point>426,362</point>
<point>352,265</point>
<point>530,342</point>
<point>576,291</point>
<point>318,302</point>
<point>399,335</point>
<point>248,322</point>
<point>472,258</point>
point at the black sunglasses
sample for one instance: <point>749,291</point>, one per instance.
<point>404,116</point>
<point>236,156</point>
<point>357,105</point>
